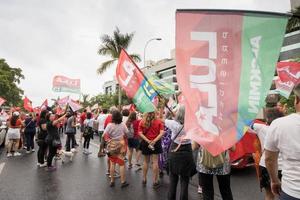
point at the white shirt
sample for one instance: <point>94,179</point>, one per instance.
<point>101,120</point>
<point>284,136</point>
<point>88,122</point>
<point>261,131</point>
<point>175,127</point>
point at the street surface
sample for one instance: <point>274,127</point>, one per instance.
<point>85,179</point>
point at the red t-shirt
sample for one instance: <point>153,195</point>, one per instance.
<point>107,120</point>
<point>135,125</point>
<point>82,118</point>
<point>18,124</point>
<point>153,131</point>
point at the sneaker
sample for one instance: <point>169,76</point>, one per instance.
<point>112,184</point>
<point>107,173</point>
<point>24,147</point>
<point>17,154</point>
<point>27,152</point>
<point>9,155</point>
<point>38,164</point>
<point>43,165</point>
<point>51,169</point>
<point>129,166</point>
<point>199,189</point>
<point>32,150</point>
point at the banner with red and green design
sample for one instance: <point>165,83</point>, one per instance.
<point>226,60</point>
<point>135,84</point>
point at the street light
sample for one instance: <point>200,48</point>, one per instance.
<point>146,47</point>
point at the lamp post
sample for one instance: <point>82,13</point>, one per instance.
<point>146,48</point>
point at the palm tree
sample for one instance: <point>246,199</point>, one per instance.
<point>111,46</point>
<point>85,101</point>
<point>294,21</point>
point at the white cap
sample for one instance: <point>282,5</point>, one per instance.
<point>16,113</point>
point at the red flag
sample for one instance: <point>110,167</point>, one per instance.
<point>44,104</point>
<point>289,72</point>
<point>37,109</point>
<point>2,101</point>
<point>27,105</point>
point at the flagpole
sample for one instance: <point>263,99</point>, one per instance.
<point>147,81</point>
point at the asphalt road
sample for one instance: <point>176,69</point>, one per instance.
<point>85,179</point>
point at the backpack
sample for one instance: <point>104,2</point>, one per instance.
<point>210,161</point>
<point>130,133</point>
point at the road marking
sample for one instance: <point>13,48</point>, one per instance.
<point>1,167</point>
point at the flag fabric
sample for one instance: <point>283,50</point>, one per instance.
<point>27,105</point>
<point>284,88</point>
<point>289,72</point>
<point>135,84</point>
<point>44,105</point>
<point>225,70</point>
<point>74,105</point>
<point>37,109</point>
<point>161,86</point>
<point>288,77</point>
<point>2,101</point>
<point>65,84</point>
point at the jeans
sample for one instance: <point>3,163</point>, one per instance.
<point>51,154</point>
<point>70,138</point>
<point>86,142</point>
<point>284,196</point>
<point>184,183</point>
<point>29,136</point>
<point>208,186</point>
<point>41,152</point>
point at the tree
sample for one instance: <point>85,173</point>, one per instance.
<point>9,80</point>
<point>85,102</point>
<point>111,46</point>
<point>294,21</point>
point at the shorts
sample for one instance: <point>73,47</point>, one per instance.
<point>147,151</point>
<point>13,133</point>
<point>265,178</point>
<point>133,143</point>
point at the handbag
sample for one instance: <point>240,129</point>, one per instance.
<point>210,161</point>
<point>113,147</point>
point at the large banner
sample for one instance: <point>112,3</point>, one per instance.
<point>225,64</point>
<point>65,84</point>
<point>134,83</point>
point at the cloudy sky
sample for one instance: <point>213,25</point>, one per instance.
<point>61,37</point>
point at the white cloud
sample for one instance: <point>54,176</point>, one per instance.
<point>51,37</point>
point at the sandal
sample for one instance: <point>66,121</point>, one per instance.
<point>144,183</point>
<point>112,184</point>
<point>156,185</point>
<point>125,184</point>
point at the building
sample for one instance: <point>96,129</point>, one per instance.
<point>291,46</point>
<point>165,69</point>
<point>110,87</point>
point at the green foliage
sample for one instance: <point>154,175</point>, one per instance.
<point>294,21</point>
<point>112,45</point>
<point>9,80</point>
<point>290,108</point>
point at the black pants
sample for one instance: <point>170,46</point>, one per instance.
<point>70,138</point>
<point>184,183</point>
<point>29,136</point>
<point>41,152</point>
<point>51,153</point>
<point>86,142</point>
<point>208,186</point>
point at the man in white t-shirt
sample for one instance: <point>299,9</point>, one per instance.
<point>284,136</point>
<point>101,120</point>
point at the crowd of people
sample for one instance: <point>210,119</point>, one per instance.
<point>158,139</point>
